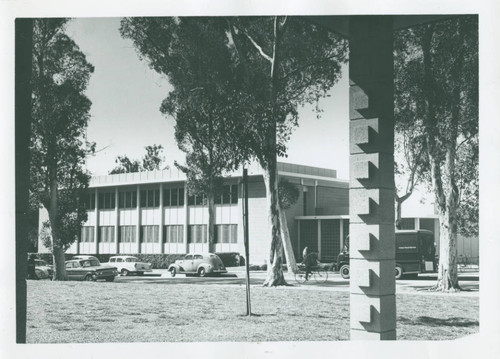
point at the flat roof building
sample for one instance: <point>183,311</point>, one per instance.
<point>151,212</point>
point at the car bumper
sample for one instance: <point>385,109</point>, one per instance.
<point>218,271</point>
<point>105,275</point>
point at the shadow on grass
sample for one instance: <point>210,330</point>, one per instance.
<point>439,322</point>
<point>463,288</point>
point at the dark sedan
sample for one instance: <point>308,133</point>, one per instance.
<point>89,270</point>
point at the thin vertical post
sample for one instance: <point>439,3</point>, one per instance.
<point>23,48</point>
<point>245,224</point>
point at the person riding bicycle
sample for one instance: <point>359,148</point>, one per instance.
<point>310,260</point>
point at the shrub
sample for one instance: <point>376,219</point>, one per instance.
<point>230,259</point>
<point>158,261</point>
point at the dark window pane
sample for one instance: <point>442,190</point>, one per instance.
<point>157,198</point>
<point>234,194</point>
<point>134,199</point>
<point>166,197</point>
<point>174,194</point>
<point>181,196</point>
<point>150,202</point>
<point>226,195</point>
<point>191,200</point>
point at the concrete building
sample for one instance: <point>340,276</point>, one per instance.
<point>151,212</point>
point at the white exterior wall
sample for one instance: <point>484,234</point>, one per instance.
<point>174,215</point>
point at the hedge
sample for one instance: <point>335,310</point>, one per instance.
<point>158,261</point>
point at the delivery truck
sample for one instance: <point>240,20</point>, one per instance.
<point>415,253</point>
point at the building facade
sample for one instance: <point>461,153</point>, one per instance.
<point>151,212</point>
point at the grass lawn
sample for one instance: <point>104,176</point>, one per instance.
<point>88,312</point>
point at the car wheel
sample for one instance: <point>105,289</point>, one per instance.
<point>345,271</point>
<point>399,271</point>
<point>202,272</point>
<point>124,272</point>
<point>173,272</point>
<point>110,279</point>
<point>88,278</point>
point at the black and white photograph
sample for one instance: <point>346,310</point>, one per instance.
<point>240,179</point>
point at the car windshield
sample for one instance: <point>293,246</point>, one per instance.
<point>131,260</point>
<point>90,263</point>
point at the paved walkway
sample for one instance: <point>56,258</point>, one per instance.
<point>469,281</point>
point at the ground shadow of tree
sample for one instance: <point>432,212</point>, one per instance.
<point>439,322</point>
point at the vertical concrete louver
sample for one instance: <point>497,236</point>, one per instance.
<point>371,189</point>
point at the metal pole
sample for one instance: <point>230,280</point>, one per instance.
<point>245,226</point>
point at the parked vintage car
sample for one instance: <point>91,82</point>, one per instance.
<point>89,270</point>
<point>42,269</point>
<point>129,264</point>
<point>198,263</point>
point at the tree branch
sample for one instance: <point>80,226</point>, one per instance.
<point>257,46</point>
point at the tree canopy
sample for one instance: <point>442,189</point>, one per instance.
<point>257,71</point>
<point>437,100</point>
<point>60,113</point>
<point>151,161</point>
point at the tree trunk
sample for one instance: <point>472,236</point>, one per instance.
<point>287,243</point>
<point>59,265</point>
<point>57,250</point>
<point>275,275</point>
<point>211,221</point>
<point>399,205</point>
<point>447,269</point>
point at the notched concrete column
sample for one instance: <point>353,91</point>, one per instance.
<point>371,188</point>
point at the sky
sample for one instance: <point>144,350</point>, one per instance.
<point>126,96</point>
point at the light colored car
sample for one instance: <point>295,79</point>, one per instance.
<point>198,263</point>
<point>42,269</point>
<point>89,270</point>
<point>129,264</point>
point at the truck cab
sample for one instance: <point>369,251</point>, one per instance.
<point>415,253</point>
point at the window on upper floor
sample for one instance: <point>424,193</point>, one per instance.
<point>127,199</point>
<point>107,200</point>
<point>150,198</point>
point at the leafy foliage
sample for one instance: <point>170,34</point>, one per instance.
<point>437,104</point>
<point>454,91</point>
<point>238,83</point>
<point>60,115</point>
<point>288,193</point>
<point>152,161</point>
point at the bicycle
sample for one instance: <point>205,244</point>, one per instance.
<point>319,274</point>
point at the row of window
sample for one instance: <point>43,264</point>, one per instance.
<point>224,233</point>
<point>172,197</point>
<point>228,195</point>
